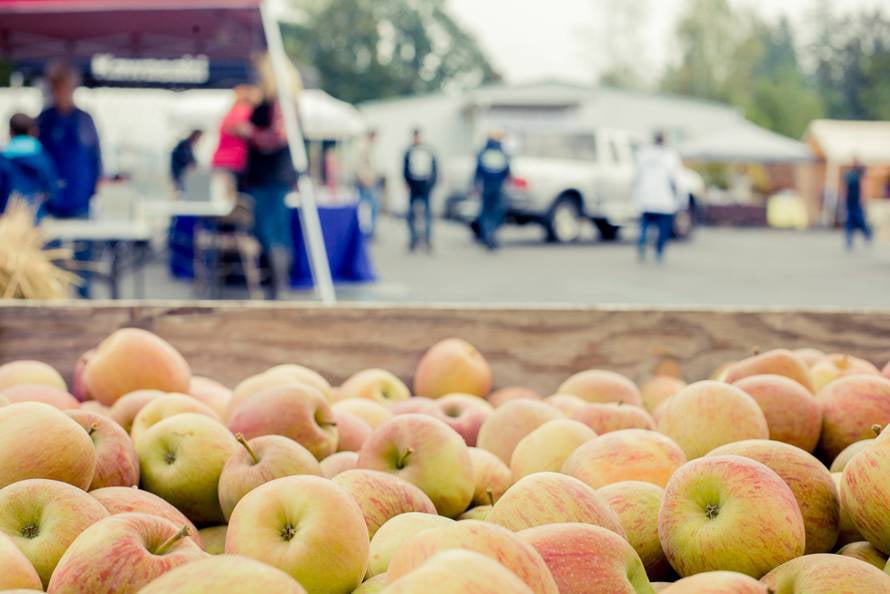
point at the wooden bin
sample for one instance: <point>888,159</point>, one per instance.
<point>534,347</point>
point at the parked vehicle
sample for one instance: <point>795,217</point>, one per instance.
<point>561,179</point>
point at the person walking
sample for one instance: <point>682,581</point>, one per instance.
<point>420,171</point>
<point>31,174</point>
<point>367,183</point>
<point>69,136</point>
<point>234,132</point>
<point>656,190</point>
<point>492,171</point>
<point>856,219</point>
<point>183,160</point>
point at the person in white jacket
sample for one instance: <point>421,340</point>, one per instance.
<point>657,192</point>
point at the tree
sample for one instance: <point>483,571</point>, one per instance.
<point>619,42</point>
<point>374,49</point>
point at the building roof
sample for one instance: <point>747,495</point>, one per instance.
<point>843,141</point>
<point>745,142</point>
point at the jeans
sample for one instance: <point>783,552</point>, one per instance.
<point>490,219</point>
<point>368,199</point>
<point>665,225</point>
<point>272,217</point>
<point>856,222</point>
<point>419,200</point>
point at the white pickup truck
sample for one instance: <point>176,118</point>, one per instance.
<point>563,178</point>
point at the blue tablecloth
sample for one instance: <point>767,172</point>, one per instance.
<point>347,252</point>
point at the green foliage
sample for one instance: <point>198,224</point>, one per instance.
<point>375,49</point>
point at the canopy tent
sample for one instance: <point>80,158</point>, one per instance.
<point>746,143</point>
<point>175,30</point>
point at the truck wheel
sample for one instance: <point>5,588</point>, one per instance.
<point>684,224</point>
<point>607,231</point>
<point>565,221</point>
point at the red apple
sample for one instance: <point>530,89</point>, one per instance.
<point>352,431</point>
<point>658,389</point>
<point>277,377</point>
<point>452,366</point>
<point>382,496</point>
<point>125,409</point>
<point>851,406</point>
<point>116,462</point>
<point>491,477</point>
<point>792,414</point>
<point>212,393</point>
<point>123,500</point>
<point>775,362</point>
<point>464,413</point>
<point>637,505</point>
<point>717,582</point>
<point>827,574</point>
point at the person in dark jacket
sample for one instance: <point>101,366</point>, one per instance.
<point>69,136</point>
<point>856,219</point>
<point>420,171</point>
<point>492,171</point>
<point>270,176</point>
<point>182,159</point>
<point>30,172</point>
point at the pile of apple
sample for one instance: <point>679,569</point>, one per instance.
<point>773,476</point>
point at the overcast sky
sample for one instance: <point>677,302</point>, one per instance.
<point>535,39</point>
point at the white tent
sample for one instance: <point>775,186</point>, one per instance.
<point>746,143</point>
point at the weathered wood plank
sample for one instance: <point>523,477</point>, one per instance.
<point>533,347</point>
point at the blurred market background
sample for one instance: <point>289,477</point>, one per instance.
<point>771,106</point>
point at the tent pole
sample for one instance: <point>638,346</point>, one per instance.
<point>309,220</point>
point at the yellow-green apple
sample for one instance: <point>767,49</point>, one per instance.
<point>596,385</point>
<point>480,512</point>
<point>43,517</point>
<point>791,412</point>
<point>39,441</point>
<point>637,505</point>
<point>308,527</point>
<point>626,455</point>
<point>836,365</point>
<point>491,477</point>
<point>259,461</point>
<point>337,463</point>
<point>123,500</point>
<point>504,395</point>
<point>827,574</point>
<point>453,571</point>
<point>808,479</point>
<point>375,384</point>
<point>775,362</point>
<point>16,373</point>
<point>372,413</point>
<point>181,459</point>
<point>275,377</point>
<point>125,409</point>
<point>122,553</point>
<point>352,431</point>
<point>164,407</point>
<point>865,494</point>
<point>212,393</point>
<point>864,552</point>
<point>134,359</point>
<point>708,414</point>
<point>546,448</point>
<point>809,356</point>
<point>585,559</point>
<point>565,403</point>
<point>295,411</point>
<point>116,462</point>
<point>78,382</point>
<point>394,533</point>
<point>658,389</point>
<point>15,569</point>
<point>224,573</point>
<point>452,366</point>
<point>847,532</point>
<point>729,513</point>
<point>483,538</point>
<point>415,405</point>
<point>373,585</point>
<point>509,423</point>
<point>37,393</point>
<point>428,454</point>
<point>552,498</point>
<point>464,413</point>
<point>851,406</point>
<point>842,459</point>
<point>605,418</point>
<point>214,539</point>
<point>717,582</point>
<point>382,496</point>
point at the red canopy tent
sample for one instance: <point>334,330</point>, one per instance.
<point>167,29</point>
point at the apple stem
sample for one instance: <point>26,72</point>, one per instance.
<point>243,442</point>
<point>490,497</point>
<point>168,544</point>
<point>755,350</point>
<point>400,463</point>
<point>92,429</point>
<point>877,429</point>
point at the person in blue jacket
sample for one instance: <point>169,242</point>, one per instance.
<point>70,137</point>
<point>492,171</point>
<point>420,171</point>
<point>29,171</point>
<point>856,219</point>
